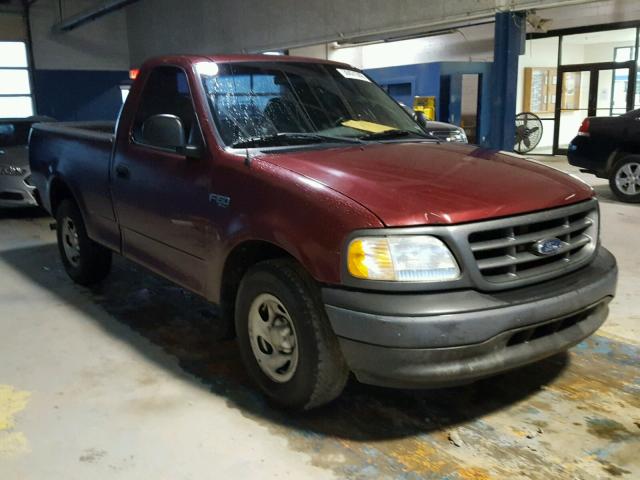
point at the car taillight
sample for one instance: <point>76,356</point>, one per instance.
<point>584,128</point>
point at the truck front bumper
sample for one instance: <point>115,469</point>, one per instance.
<point>446,338</point>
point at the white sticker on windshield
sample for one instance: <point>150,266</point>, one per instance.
<point>352,74</point>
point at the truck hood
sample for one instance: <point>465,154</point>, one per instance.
<point>426,183</point>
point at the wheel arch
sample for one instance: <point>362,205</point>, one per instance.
<point>617,155</point>
<point>239,260</point>
<point>59,191</point>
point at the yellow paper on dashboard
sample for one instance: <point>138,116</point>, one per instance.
<point>367,126</point>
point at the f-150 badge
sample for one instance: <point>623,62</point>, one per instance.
<point>220,200</point>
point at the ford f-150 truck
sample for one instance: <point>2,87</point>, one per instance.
<point>335,235</point>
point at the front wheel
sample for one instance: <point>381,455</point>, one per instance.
<point>85,261</point>
<point>285,339</point>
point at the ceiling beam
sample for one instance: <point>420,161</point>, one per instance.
<point>90,14</point>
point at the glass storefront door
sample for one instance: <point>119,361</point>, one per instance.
<point>587,91</point>
<point>574,105</point>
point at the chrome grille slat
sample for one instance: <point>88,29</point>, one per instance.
<point>508,241</point>
<point>504,250</point>
<point>524,257</point>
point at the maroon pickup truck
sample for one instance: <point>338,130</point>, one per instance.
<point>334,233</point>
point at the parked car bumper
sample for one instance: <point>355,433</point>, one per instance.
<point>15,191</point>
<point>441,339</point>
<point>584,154</point>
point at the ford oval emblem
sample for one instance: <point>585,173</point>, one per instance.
<point>549,246</point>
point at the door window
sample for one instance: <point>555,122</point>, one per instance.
<point>574,104</point>
<point>613,86</point>
<point>14,134</point>
<point>166,92</point>
<point>599,91</point>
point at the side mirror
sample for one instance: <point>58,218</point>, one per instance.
<point>164,131</point>
<point>421,119</point>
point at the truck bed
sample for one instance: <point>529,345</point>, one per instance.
<point>91,130</point>
<point>79,154</point>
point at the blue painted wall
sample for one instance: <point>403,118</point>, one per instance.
<point>442,80</point>
<point>424,79</point>
<point>79,95</point>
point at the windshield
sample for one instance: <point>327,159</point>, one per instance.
<point>284,103</point>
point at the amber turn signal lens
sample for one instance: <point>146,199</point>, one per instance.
<point>369,258</point>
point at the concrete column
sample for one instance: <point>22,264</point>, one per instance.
<point>509,43</point>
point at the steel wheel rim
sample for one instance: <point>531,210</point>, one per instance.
<point>628,178</point>
<point>273,338</point>
<point>70,241</point>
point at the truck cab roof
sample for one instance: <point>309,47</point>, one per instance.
<point>193,59</point>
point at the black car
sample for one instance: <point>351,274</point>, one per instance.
<point>609,147</point>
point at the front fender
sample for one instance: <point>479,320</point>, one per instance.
<point>305,218</point>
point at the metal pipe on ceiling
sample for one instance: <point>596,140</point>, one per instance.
<point>461,20</point>
<point>90,14</point>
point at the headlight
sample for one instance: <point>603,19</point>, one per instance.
<point>402,259</point>
<point>458,136</point>
<point>12,171</point>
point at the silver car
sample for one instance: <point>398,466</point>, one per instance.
<point>15,186</point>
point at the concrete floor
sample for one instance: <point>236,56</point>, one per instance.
<point>129,381</point>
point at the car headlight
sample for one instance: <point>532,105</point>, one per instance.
<point>411,258</point>
<point>12,171</point>
<point>457,136</point>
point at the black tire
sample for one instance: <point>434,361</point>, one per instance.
<point>321,372</point>
<point>631,162</point>
<point>92,262</point>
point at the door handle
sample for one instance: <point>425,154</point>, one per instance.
<point>122,171</point>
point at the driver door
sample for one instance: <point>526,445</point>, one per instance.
<point>160,195</point>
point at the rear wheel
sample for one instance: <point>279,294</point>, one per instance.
<point>285,339</point>
<point>85,261</point>
<point>624,179</point>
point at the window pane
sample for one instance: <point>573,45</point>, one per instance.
<point>623,54</point>
<point>574,104</point>
<point>14,82</point>
<point>166,92</point>
<point>596,47</point>
<point>14,134</point>
<point>13,54</point>
<point>15,107</point>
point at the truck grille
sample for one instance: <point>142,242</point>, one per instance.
<point>508,253</point>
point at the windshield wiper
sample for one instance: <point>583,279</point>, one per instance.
<point>285,137</point>
<point>392,133</point>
